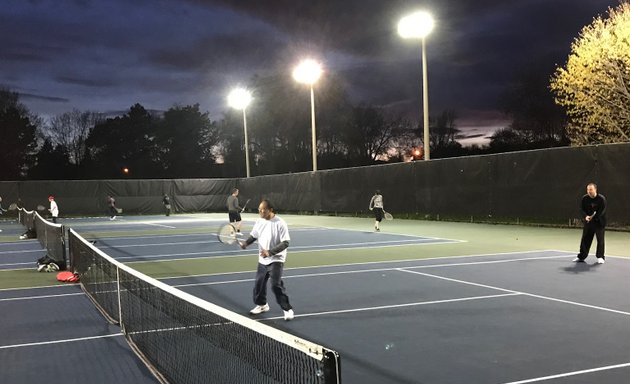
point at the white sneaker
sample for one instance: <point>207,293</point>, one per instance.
<point>578,260</point>
<point>600,260</point>
<point>288,315</point>
<point>113,218</point>
<point>259,309</point>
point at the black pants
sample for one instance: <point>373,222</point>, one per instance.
<point>590,231</point>
<point>263,273</point>
<point>378,214</point>
<point>112,211</point>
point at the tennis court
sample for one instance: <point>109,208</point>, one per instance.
<point>420,302</point>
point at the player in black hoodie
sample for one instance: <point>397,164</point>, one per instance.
<point>593,209</point>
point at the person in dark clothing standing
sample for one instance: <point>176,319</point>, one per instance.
<point>167,204</point>
<point>111,204</point>
<point>234,210</point>
<point>593,210</point>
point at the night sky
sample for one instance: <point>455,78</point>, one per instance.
<point>107,55</point>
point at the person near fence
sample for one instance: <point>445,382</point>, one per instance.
<point>54,208</point>
<point>272,234</point>
<point>593,211</point>
<point>167,204</point>
<point>234,210</point>
<point>111,204</point>
<point>376,205</point>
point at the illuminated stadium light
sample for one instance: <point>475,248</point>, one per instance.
<point>240,98</point>
<point>308,72</point>
<point>416,25</point>
<point>419,25</point>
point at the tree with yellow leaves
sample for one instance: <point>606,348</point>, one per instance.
<point>594,87</point>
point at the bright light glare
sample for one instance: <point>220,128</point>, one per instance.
<point>416,25</point>
<point>239,98</point>
<point>307,72</point>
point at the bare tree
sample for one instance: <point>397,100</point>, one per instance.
<point>70,130</point>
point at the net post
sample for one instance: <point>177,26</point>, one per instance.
<point>332,367</point>
<point>120,318</point>
<point>64,252</point>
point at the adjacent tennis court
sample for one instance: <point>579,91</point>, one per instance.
<point>419,302</point>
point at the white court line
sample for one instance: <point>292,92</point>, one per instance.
<point>25,263</point>
<point>378,262</point>
<point>159,225</point>
<point>59,341</point>
<point>38,287</point>
<point>568,374</point>
<point>520,292</point>
<point>24,251</point>
<point>41,297</point>
<point>180,243</point>
<point>381,307</point>
<point>569,253</point>
<point>210,232</point>
<point>301,249</point>
<point>386,269</point>
<point>394,233</point>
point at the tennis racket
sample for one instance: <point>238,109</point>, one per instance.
<point>41,208</point>
<point>388,216</point>
<point>227,234</point>
<point>245,206</point>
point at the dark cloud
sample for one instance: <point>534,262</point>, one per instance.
<point>86,82</point>
<point>112,54</point>
<point>54,99</point>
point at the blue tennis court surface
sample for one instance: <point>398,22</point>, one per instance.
<point>502,318</point>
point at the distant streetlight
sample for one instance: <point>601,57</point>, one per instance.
<point>240,98</point>
<point>308,72</point>
<point>419,25</point>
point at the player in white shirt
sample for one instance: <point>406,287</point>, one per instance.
<point>272,235</point>
<point>54,209</point>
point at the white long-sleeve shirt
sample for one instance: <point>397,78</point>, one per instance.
<point>270,233</point>
<point>54,209</point>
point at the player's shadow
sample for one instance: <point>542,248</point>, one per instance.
<point>581,267</point>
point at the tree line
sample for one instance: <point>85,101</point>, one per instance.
<point>585,102</point>
<point>185,142</point>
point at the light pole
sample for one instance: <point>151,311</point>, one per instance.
<point>419,25</point>
<point>240,98</point>
<point>308,72</point>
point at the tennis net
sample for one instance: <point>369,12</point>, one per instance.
<point>50,235</point>
<point>26,218</point>
<point>188,340</point>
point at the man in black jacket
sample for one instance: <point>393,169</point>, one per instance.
<point>593,209</point>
